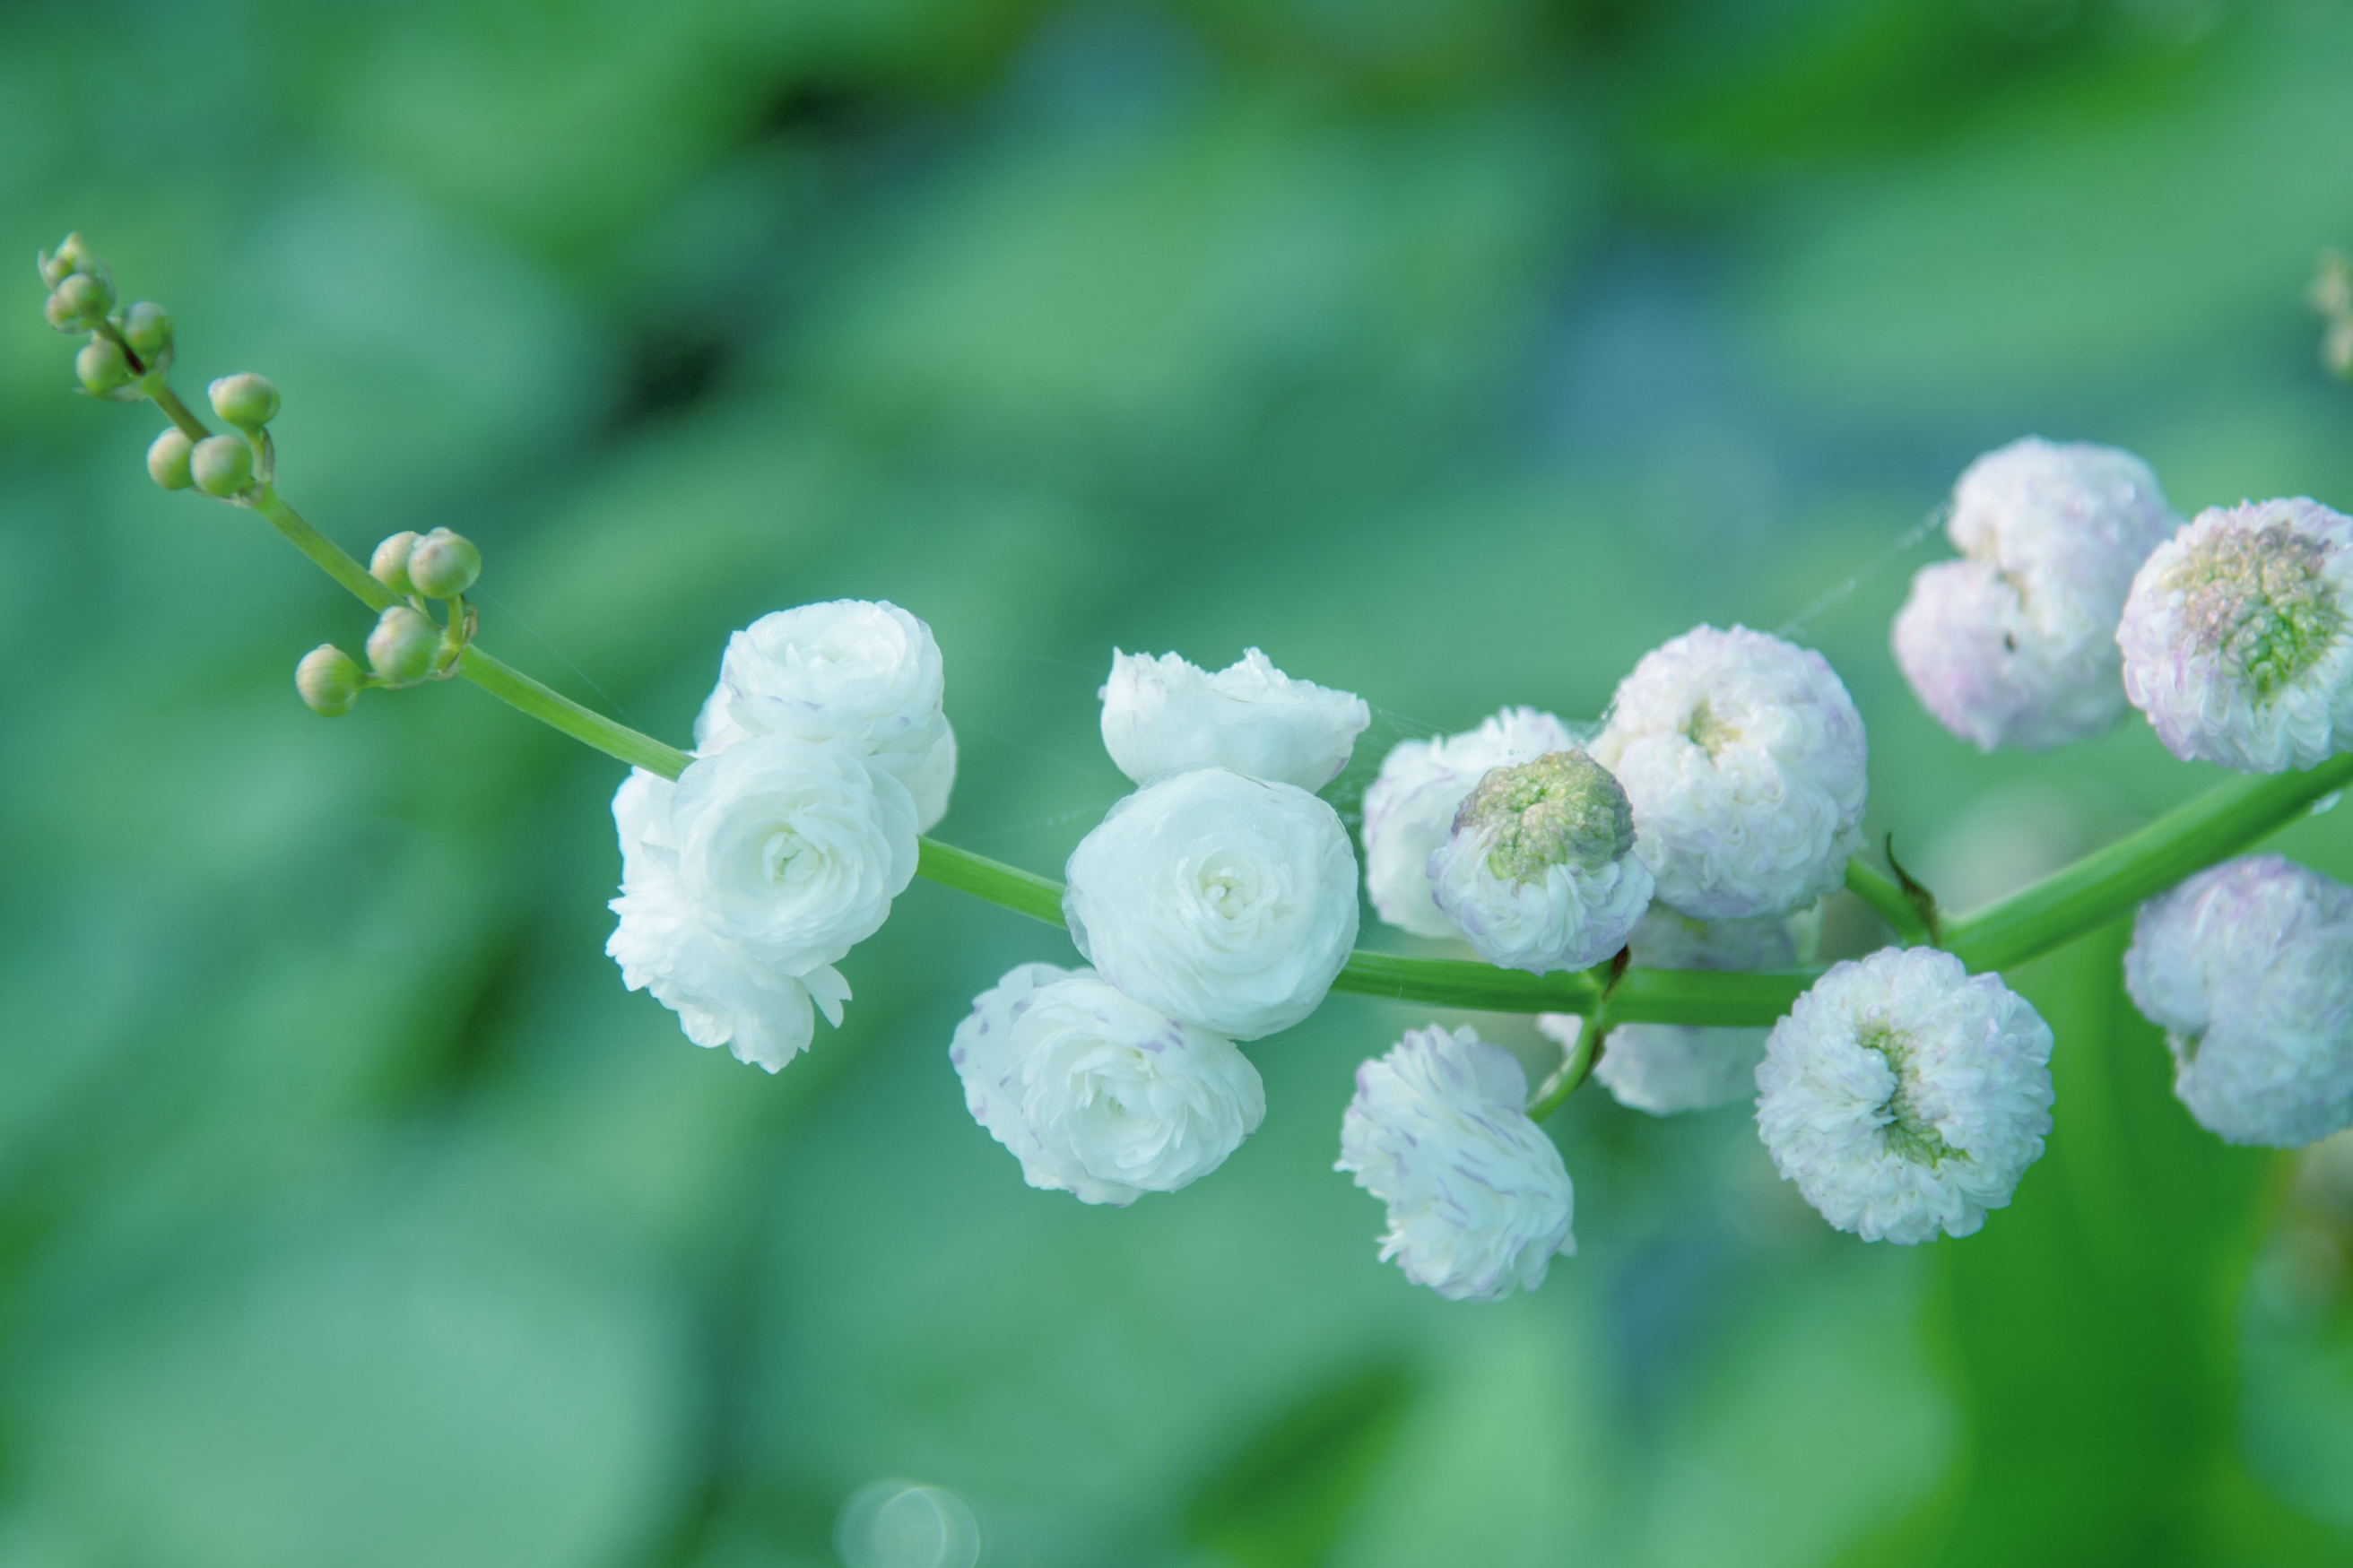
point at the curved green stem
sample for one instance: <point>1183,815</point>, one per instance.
<point>1575,1067</point>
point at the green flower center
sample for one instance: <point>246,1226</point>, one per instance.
<point>1909,1133</point>
<point>1562,809</point>
<point>2259,600</point>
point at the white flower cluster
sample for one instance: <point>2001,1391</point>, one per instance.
<point>1216,903</point>
<point>1479,1200</point>
<point>2080,591</point>
<point>2014,643</point>
<point>2248,968</point>
<point>822,755</point>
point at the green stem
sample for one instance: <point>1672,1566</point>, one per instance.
<point>2226,820</point>
<point>1575,1067</point>
<point>160,393</point>
<point>1024,892</point>
<point>1892,903</point>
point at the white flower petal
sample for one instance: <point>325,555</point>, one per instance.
<point>1164,716</point>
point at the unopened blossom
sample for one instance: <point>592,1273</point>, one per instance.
<point>1165,715</point>
<point>1224,901</point>
<point>1905,1096</point>
<point>2248,968</point>
<point>723,994</point>
<point>1409,809</point>
<point>1744,758</point>
<point>1664,1068</point>
<point>863,675</point>
<point>2014,645</point>
<point>1097,1094</point>
<point>1479,1202</point>
<point>1539,872</point>
<point>2238,637</point>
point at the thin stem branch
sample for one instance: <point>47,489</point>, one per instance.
<point>1575,1067</point>
<point>1893,904</point>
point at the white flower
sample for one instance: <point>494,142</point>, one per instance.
<point>1097,1094</point>
<point>791,850</point>
<point>1539,872</point>
<point>2015,644</point>
<point>863,675</point>
<point>1479,1202</point>
<point>1224,901</point>
<point>1905,1095</point>
<point>1664,1068</point>
<point>1409,809</point>
<point>2248,967</point>
<point>1164,716</point>
<point>723,994</point>
<point>1744,758</point>
<point>2238,637</point>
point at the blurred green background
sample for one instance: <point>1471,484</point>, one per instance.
<point>1456,354</point>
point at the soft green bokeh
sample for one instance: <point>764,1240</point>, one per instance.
<point>1456,354</point>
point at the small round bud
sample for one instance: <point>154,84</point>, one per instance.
<point>84,298</point>
<point>389,564</point>
<point>71,256</point>
<point>147,328</point>
<point>329,680</point>
<point>401,648</point>
<point>167,460</point>
<point>59,313</point>
<point>222,465</point>
<point>245,400</point>
<point>444,565</point>
<point>102,367</point>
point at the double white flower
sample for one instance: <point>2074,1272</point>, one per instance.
<point>745,882</point>
<point>864,676</point>
<point>1410,808</point>
<point>1539,872</point>
<point>823,754</point>
<point>1164,716</point>
<point>1097,1094</point>
<point>1479,1202</point>
<point>1905,1095</point>
<point>2238,637</point>
<point>1745,761</point>
<point>2014,645</point>
<point>2248,967</point>
<point>1226,901</point>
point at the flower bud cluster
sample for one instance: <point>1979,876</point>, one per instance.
<point>125,342</point>
<point>2248,968</point>
<point>783,843</point>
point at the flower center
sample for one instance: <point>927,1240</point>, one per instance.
<point>778,855</point>
<point>1562,809</point>
<point>1909,1134</point>
<point>1708,730</point>
<point>2259,599</point>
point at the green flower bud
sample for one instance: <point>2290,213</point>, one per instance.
<point>389,564</point>
<point>444,565</point>
<point>102,367</point>
<point>61,313</point>
<point>330,681</point>
<point>71,256</point>
<point>222,465</point>
<point>401,648</point>
<point>84,299</point>
<point>167,460</point>
<point>147,328</point>
<point>245,400</point>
